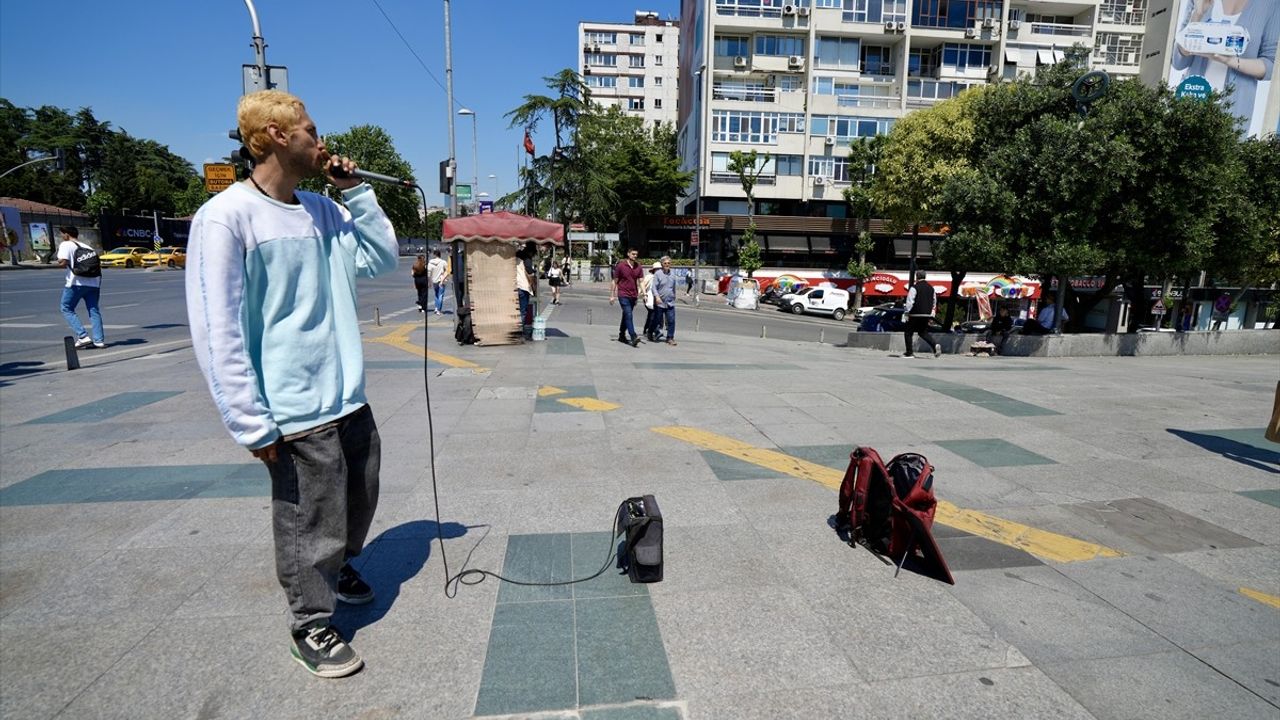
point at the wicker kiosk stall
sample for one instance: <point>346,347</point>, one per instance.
<point>484,261</point>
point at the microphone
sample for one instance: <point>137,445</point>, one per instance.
<point>339,172</point>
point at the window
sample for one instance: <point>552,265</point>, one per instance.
<point>790,83</point>
<point>837,52</point>
<point>600,60</point>
<point>954,13</point>
<point>827,3</point>
<point>635,104</point>
<point>963,55</point>
<point>929,90</point>
<point>732,46</point>
<point>876,60</point>
<point>873,11</point>
<point>790,165</point>
<point>637,61</point>
<point>848,128</point>
<point>923,63</point>
<point>756,128</point>
<point>657,103</point>
<point>599,37</point>
<point>637,38</point>
<point>657,60</point>
<point>658,37</point>
<point>779,45</point>
<point>635,82</point>
<point>601,81</point>
<point>657,80</point>
<point>835,167</point>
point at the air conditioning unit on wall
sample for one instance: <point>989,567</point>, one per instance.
<point>831,140</point>
<point>739,62</point>
<point>989,23</point>
<point>788,9</point>
<point>902,26</point>
<point>819,180</point>
<point>889,25</point>
<point>1015,24</point>
<point>971,32</point>
<point>803,11</point>
<point>795,61</point>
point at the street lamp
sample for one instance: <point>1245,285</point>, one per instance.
<point>475,172</point>
<point>494,178</point>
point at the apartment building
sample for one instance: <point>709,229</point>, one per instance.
<point>802,79</point>
<point>633,66</point>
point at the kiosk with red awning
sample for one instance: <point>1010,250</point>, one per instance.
<point>484,262</point>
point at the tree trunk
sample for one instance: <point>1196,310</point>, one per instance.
<point>1137,303</point>
<point>956,279</point>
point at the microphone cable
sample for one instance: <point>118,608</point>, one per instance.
<point>475,576</point>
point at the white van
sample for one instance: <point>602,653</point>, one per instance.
<point>822,300</point>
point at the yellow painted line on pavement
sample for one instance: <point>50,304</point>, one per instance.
<point>399,338</point>
<point>1261,597</point>
<point>590,404</point>
<point>549,390</point>
<point>1041,543</point>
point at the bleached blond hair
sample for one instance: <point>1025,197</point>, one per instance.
<point>258,110</point>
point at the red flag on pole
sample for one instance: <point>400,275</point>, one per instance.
<point>528,143</point>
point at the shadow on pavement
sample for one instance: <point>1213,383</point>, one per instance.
<point>18,369</point>
<point>398,555</point>
<point>1244,453</point>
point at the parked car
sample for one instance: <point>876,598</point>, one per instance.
<point>817,301</point>
<point>125,257</point>
<point>862,312</point>
<point>168,256</point>
<point>890,320</point>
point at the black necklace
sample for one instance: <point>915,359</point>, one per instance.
<point>293,201</point>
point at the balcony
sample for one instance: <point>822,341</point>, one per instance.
<point>728,178</point>
<point>743,92</point>
<point>1135,18</point>
<point>730,8</point>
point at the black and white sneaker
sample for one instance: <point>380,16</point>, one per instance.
<point>352,589</point>
<point>83,343</point>
<point>323,652</point>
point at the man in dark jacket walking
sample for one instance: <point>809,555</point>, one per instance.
<point>922,304</point>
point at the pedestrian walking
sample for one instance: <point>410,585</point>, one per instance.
<point>421,282</point>
<point>272,309</point>
<point>438,272</point>
<point>663,290</point>
<point>555,279</point>
<point>80,287</point>
<point>526,281</point>
<point>921,306</point>
<point>624,289</point>
<point>646,293</point>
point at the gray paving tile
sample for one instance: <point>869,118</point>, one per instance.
<point>976,553</point>
<point>1158,527</point>
<point>1183,606</point>
<point>105,408</point>
<point>1253,567</point>
<point>1051,619</point>
<point>1254,665</point>
<point>644,711</point>
<point>1163,685</point>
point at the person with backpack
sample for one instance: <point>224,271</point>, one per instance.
<point>922,305</point>
<point>84,282</point>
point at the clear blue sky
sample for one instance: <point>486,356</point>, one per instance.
<point>170,70</point>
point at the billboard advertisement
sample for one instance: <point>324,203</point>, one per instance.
<point>1231,46</point>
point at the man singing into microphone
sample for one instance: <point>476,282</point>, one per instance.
<point>271,280</point>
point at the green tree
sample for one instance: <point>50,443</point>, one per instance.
<point>435,225</point>
<point>864,159</point>
<point>373,149</point>
<point>748,166</point>
<point>639,165</point>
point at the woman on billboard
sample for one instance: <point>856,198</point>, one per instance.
<point>1230,43</point>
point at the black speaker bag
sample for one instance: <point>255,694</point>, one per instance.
<point>641,524</point>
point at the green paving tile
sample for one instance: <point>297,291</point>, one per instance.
<point>537,559</point>
<point>832,456</point>
<point>566,346</point>
<point>986,399</point>
<point>105,408</point>
<point>589,552</point>
<point>552,403</point>
<point>994,452</point>
<point>620,653</point>
<point>529,665</point>
<point>633,712</point>
<point>727,468</point>
<point>132,484</point>
<point>1270,497</point>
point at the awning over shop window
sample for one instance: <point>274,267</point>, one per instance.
<point>1012,56</point>
<point>1059,55</point>
<point>1044,57</point>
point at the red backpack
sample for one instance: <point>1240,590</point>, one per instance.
<point>890,507</point>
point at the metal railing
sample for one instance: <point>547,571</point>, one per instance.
<point>728,178</point>
<point>868,101</point>
<point>748,10</point>
<point>1040,28</point>
<point>743,93</point>
<point>1132,17</point>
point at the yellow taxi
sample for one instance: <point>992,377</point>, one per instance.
<point>126,257</point>
<point>174,257</point>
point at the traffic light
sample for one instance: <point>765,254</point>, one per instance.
<point>243,153</point>
<point>446,177</point>
<point>60,159</point>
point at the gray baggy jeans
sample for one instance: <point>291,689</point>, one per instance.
<point>324,490</point>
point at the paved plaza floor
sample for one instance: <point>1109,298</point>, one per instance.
<point>1113,526</point>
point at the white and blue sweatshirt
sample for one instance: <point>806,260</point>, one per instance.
<point>271,300</point>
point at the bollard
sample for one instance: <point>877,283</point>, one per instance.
<point>73,360</point>
<point>697,324</point>
<point>377,316</point>
<point>762,332</point>
<point>822,336</point>
<point>588,316</point>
